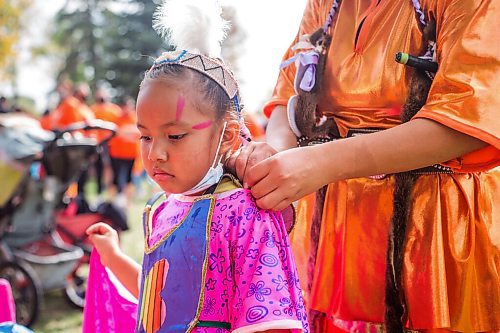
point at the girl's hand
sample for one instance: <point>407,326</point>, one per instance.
<point>246,157</point>
<point>285,177</point>
<point>105,240</point>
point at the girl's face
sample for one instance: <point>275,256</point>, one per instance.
<point>178,142</point>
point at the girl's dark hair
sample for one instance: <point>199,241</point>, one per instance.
<point>210,91</point>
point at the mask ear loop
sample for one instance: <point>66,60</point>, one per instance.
<point>218,146</point>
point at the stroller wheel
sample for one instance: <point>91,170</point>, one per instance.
<point>76,286</point>
<point>26,290</point>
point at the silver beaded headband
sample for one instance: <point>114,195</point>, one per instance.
<point>211,67</point>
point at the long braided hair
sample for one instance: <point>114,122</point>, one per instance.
<point>311,123</point>
<point>395,312</point>
<point>313,127</point>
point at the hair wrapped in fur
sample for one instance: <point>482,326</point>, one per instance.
<point>394,294</point>
<point>307,116</point>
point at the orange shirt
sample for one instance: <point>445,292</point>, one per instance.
<point>107,112</point>
<point>363,83</point>
<point>46,121</point>
<point>70,111</point>
<point>125,144</point>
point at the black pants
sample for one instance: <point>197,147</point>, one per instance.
<point>122,172</point>
<point>101,161</point>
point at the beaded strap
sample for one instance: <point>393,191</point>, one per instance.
<point>430,54</point>
<point>418,9</point>
<point>331,14</point>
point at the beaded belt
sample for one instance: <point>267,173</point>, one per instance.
<point>431,169</point>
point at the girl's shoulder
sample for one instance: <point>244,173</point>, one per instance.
<point>241,201</point>
<point>237,216</point>
<point>238,201</point>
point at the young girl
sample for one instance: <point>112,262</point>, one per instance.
<point>213,261</point>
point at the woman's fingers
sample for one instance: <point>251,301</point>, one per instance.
<point>260,180</point>
<point>248,156</point>
<point>275,200</point>
<point>268,185</point>
<point>283,204</point>
<point>283,178</point>
<point>242,161</point>
<point>257,173</point>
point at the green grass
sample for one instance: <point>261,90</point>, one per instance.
<point>57,315</point>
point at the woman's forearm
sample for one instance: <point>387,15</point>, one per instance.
<point>409,146</point>
<point>278,132</point>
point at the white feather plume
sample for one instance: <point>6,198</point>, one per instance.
<point>193,25</point>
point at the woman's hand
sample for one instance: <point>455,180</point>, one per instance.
<point>289,175</point>
<point>105,240</point>
<point>285,177</point>
<point>246,157</point>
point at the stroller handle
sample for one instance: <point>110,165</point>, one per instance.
<point>95,124</point>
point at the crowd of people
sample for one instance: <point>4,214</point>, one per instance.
<point>116,170</point>
<point>113,168</point>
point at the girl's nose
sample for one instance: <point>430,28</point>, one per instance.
<point>157,152</point>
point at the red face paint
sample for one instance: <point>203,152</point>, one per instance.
<point>180,107</point>
<point>203,125</point>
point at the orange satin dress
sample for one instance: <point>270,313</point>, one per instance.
<point>452,255</point>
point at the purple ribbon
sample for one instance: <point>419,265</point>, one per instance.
<point>306,69</point>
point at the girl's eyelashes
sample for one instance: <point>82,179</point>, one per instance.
<point>176,137</point>
<point>171,137</point>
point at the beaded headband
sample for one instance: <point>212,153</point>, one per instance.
<point>212,67</point>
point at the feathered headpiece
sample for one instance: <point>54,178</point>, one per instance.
<point>194,25</point>
<point>197,30</point>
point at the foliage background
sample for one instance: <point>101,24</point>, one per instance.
<point>11,26</point>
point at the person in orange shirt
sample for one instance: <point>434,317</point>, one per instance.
<point>123,150</point>
<point>46,120</point>
<point>72,109</point>
<point>103,110</point>
<point>405,230</point>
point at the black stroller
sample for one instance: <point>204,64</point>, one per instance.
<point>36,169</point>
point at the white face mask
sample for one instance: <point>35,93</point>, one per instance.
<point>213,175</point>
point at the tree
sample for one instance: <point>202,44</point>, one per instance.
<point>112,42</point>
<point>11,25</point>
<point>102,41</point>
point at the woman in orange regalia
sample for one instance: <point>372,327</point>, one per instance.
<point>450,247</point>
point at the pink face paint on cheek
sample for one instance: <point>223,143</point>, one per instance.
<point>180,107</point>
<point>203,125</point>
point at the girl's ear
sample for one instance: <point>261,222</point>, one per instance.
<point>231,139</point>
